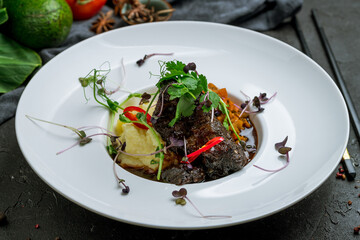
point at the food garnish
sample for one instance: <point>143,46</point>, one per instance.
<point>193,99</point>
<point>191,157</point>
<point>128,113</point>
<point>181,198</point>
<point>282,149</point>
<point>141,61</point>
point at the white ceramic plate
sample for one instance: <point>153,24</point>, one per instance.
<point>308,108</point>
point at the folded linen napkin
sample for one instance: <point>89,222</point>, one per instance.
<point>258,15</point>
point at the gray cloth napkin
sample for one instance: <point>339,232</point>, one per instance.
<point>257,15</point>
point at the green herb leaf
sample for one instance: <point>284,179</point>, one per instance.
<point>226,124</point>
<point>111,150</point>
<point>113,105</point>
<point>141,117</point>
<point>215,100</point>
<point>3,14</point>
<point>177,66</point>
<point>16,63</point>
<point>203,83</point>
<point>185,107</point>
<point>190,83</point>
<point>176,91</point>
<point>124,119</point>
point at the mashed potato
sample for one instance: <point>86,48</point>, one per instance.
<point>139,141</point>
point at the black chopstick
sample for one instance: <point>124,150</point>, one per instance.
<point>300,34</point>
<point>340,82</point>
<point>346,161</point>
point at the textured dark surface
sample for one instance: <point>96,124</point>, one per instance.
<point>324,214</point>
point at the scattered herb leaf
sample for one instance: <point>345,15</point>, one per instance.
<point>182,198</point>
<point>282,149</point>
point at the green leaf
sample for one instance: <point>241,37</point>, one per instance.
<point>111,150</point>
<point>190,83</point>
<point>176,91</point>
<point>16,63</point>
<point>222,108</point>
<point>226,124</point>
<point>141,117</point>
<point>185,107</point>
<point>124,119</point>
<point>203,83</point>
<point>214,98</point>
<point>3,15</point>
<point>172,66</point>
<point>113,105</point>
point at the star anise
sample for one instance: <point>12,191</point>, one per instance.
<point>104,23</point>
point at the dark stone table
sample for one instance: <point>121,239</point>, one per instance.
<point>35,211</point>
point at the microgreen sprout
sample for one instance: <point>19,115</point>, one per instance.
<point>283,150</point>
<point>181,198</point>
<point>84,139</point>
<point>145,98</point>
<point>120,181</point>
<point>141,61</point>
<point>80,133</point>
<point>257,102</point>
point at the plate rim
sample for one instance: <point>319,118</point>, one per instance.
<point>17,122</point>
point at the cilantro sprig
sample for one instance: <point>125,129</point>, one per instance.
<point>188,86</point>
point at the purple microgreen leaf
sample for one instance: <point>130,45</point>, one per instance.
<point>140,62</point>
<point>281,144</point>
<point>182,198</point>
<point>176,194</point>
<point>262,97</point>
<point>176,142</point>
<point>282,149</point>
<point>183,192</point>
<point>266,100</point>
<point>145,98</point>
<point>256,102</point>
<point>126,189</point>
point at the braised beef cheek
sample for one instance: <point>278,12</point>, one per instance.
<point>221,160</point>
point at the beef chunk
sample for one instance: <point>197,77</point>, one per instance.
<point>221,160</point>
<point>182,175</point>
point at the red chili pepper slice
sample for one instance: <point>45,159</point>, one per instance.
<point>128,113</point>
<point>207,146</point>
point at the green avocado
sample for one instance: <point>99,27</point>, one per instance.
<point>38,24</point>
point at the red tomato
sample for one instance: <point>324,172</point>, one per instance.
<point>85,9</point>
